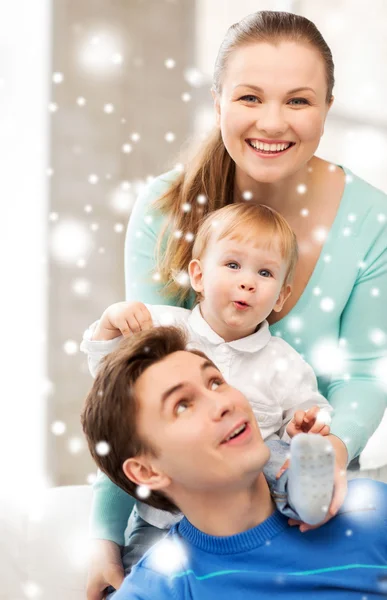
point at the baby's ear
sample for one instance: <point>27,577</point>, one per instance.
<point>196,275</point>
<point>285,292</point>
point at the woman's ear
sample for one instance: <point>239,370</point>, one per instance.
<point>196,275</point>
<point>142,471</point>
<point>216,99</point>
<point>285,292</point>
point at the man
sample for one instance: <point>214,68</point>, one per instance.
<point>176,428</point>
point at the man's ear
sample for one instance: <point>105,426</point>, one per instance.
<point>196,275</point>
<point>142,471</point>
<point>216,100</point>
<point>285,292</point>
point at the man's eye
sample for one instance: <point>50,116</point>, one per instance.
<point>232,265</point>
<point>215,383</point>
<point>181,406</point>
<point>299,101</point>
<point>265,273</point>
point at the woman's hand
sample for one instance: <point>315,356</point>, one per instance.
<point>340,484</point>
<point>105,568</point>
<point>123,318</point>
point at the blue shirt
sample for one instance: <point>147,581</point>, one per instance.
<point>343,560</point>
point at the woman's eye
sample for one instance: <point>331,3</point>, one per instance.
<point>232,265</point>
<point>299,101</point>
<point>265,273</point>
<point>249,98</point>
<point>181,406</point>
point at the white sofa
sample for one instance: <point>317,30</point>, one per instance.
<point>55,551</point>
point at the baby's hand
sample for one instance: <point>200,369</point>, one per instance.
<point>123,318</point>
<point>308,422</point>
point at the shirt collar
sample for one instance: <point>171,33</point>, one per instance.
<point>252,343</point>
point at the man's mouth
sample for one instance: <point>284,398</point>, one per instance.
<point>237,432</point>
<point>266,148</point>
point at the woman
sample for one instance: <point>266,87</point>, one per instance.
<point>272,91</point>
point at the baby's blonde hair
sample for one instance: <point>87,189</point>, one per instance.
<point>249,222</point>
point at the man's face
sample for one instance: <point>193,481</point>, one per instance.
<point>188,412</point>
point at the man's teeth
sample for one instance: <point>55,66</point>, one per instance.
<point>268,147</point>
<point>236,432</point>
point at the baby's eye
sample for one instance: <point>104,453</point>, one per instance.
<point>265,273</point>
<point>232,265</point>
<point>181,406</point>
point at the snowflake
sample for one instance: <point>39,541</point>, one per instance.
<point>94,227</point>
<point>75,445</point>
<point>182,278</point>
<point>377,337</point>
<point>102,448</point>
<point>186,207</point>
<point>117,58</point>
<point>352,218</point>
<point>168,556</point>
<point>186,97</point>
<point>381,218</point>
<point>125,186</point>
<point>91,478</point>
<point>348,178</point>
<point>302,189</point>
<point>247,195</point>
<point>93,179</point>
<point>375,292</point>
<point>81,101</point>
<point>143,492</point>
<point>49,172</point>
<point>57,77</point>
<point>108,109</point>
<point>201,199</point>
<point>304,212</point>
<point>156,276</point>
<point>52,107</point>
<point>81,286</point>
<point>118,228</point>
<point>31,589</point>
<point>58,427</point>
<point>70,347</point>
<point>88,208</point>
<point>323,416</point>
<point>317,291</point>
<point>178,234</point>
<point>327,258</point>
<point>169,63</point>
<point>346,231</point>
<point>169,137</point>
<point>327,357</point>
<point>127,148</point>
<point>135,137</point>
<point>295,324</point>
<point>327,304</point>
<point>332,168</point>
<point>53,216</point>
<point>320,234</point>
<point>81,263</point>
<point>194,77</point>
<point>189,237</point>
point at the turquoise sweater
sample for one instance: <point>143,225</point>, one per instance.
<point>345,300</point>
<point>346,559</point>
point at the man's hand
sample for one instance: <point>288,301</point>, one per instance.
<point>105,568</point>
<point>124,318</point>
<point>307,421</point>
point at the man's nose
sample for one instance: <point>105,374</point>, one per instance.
<point>221,406</point>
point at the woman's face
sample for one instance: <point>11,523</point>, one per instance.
<point>272,109</point>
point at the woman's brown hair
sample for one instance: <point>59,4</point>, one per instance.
<point>207,182</point>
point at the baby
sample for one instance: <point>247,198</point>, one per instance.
<point>242,265</point>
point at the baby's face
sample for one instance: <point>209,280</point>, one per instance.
<point>242,282</point>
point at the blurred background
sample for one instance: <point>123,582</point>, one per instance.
<point>97,97</point>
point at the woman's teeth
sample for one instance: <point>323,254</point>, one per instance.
<point>268,147</point>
